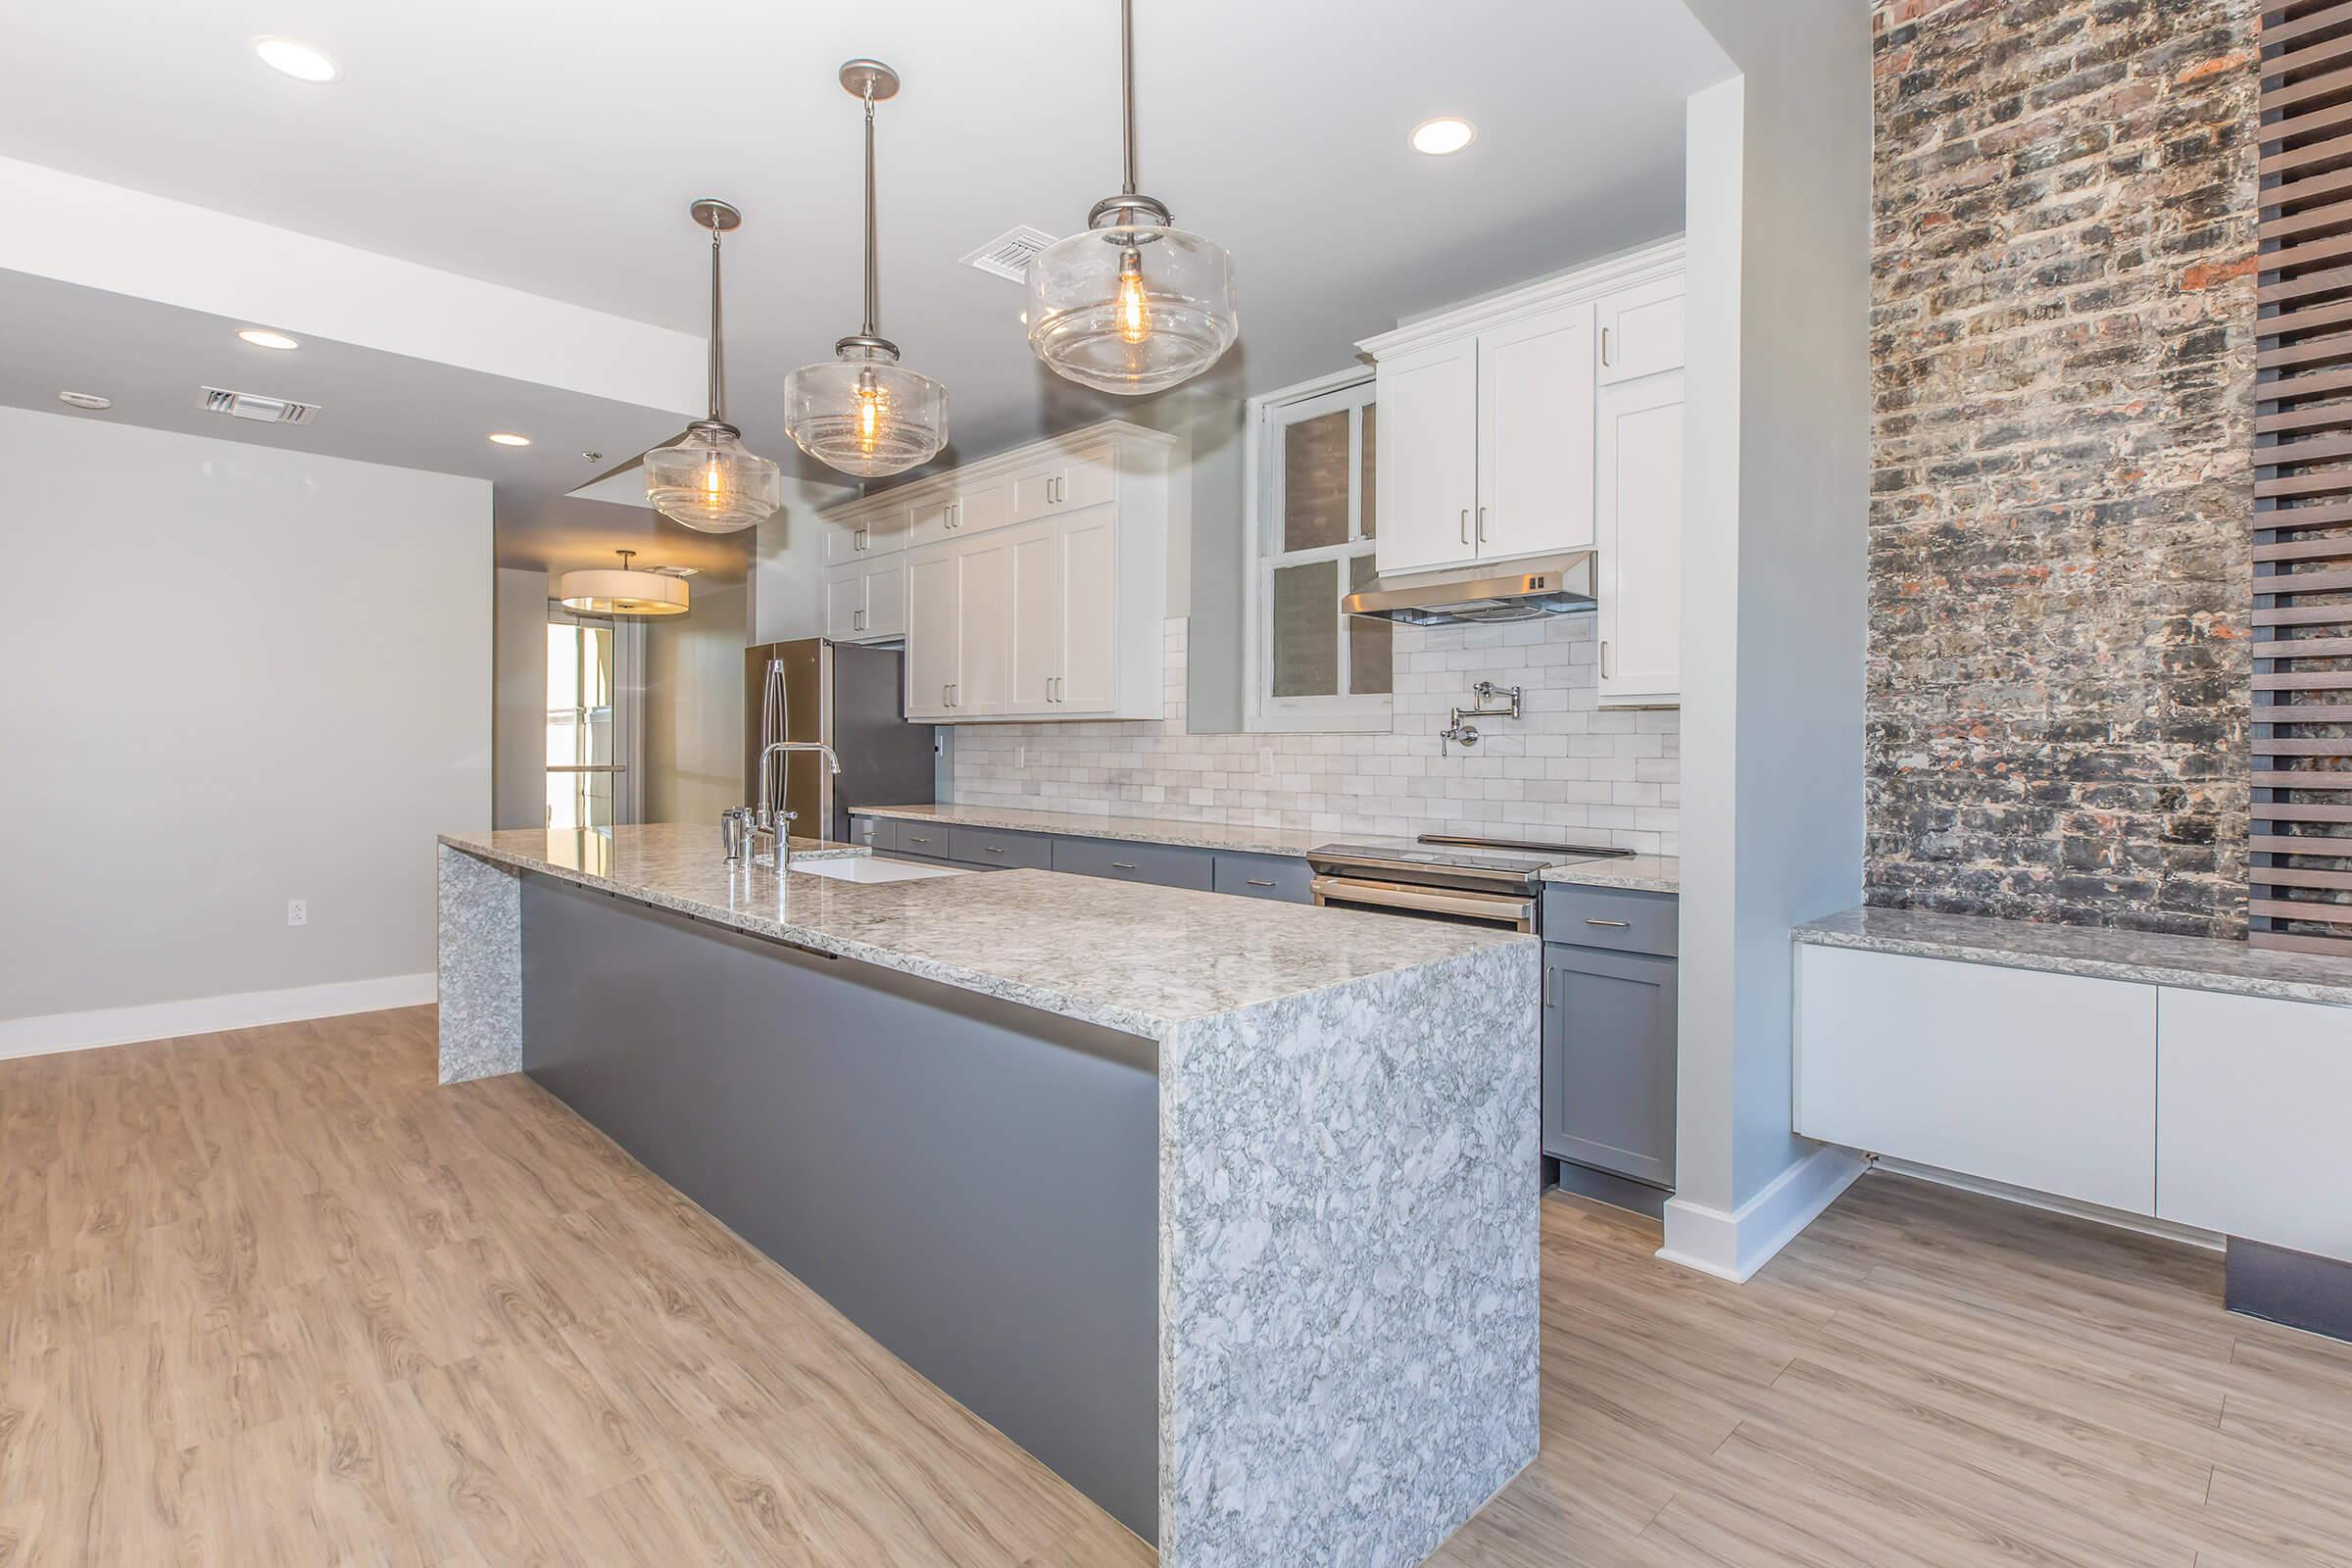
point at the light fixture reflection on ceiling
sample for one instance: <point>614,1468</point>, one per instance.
<point>705,480</point>
<point>861,411</point>
<point>1134,305</point>
<point>261,337</point>
<point>85,399</point>
<point>607,591</point>
<point>508,438</point>
<point>1443,135</point>
<point>296,59</point>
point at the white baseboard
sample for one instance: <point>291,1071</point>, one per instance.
<point>2146,1225</point>
<point>1733,1245</point>
<point>197,1015</point>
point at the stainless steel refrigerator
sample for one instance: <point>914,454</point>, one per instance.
<point>853,699</point>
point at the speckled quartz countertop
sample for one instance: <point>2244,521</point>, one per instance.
<point>1649,872</point>
<point>2198,963</point>
<point>1126,955</point>
<point>1646,873</point>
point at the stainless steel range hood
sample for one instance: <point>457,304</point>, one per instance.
<point>1469,596</point>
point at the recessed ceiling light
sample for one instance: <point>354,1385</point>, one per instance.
<point>261,337</point>
<point>297,59</point>
<point>85,399</point>
<point>507,438</point>
<point>1446,134</point>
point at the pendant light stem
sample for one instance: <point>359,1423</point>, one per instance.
<point>718,354</point>
<point>1127,94</point>
<point>873,284</point>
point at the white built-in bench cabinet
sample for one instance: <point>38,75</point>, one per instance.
<point>2195,1081</point>
<point>1028,585</point>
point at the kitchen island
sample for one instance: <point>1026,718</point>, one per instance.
<point>1225,1209</point>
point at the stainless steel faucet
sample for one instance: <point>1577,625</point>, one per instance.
<point>770,821</point>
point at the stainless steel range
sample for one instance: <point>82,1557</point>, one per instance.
<point>1446,876</point>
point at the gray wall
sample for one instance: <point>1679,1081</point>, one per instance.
<point>260,675</point>
<point>1775,558</point>
<point>694,710</point>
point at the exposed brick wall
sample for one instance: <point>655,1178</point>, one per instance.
<point>2063,363</point>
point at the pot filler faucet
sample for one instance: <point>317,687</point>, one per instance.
<point>743,827</point>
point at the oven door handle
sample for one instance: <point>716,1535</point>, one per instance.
<point>1519,914</point>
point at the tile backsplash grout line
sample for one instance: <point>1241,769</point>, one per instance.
<point>1568,766</point>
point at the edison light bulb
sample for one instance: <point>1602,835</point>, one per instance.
<point>1134,316</point>
<point>714,484</point>
<point>870,410</point>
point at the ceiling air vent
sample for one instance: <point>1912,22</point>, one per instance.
<point>1009,254</point>
<point>252,406</point>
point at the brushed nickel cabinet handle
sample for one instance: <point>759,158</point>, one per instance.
<point>1256,883</point>
<point>1465,526</point>
<point>1481,525</point>
<point>1619,924</point>
<point>1121,865</point>
<point>1604,347</point>
<point>993,849</point>
<point>1604,659</point>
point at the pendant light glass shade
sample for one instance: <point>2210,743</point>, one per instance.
<point>865,413</point>
<point>623,591</point>
<point>861,411</point>
<point>1132,308</point>
<point>1134,305</point>
<point>706,480</point>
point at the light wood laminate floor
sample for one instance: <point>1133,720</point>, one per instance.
<point>275,1296</point>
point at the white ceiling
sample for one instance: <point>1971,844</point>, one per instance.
<point>555,149</point>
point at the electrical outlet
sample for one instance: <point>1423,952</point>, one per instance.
<point>1020,755</point>
<point>297,911</point>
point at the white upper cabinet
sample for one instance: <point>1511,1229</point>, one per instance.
<point>1548,420</point>
<point>1427,481</point>
<point>1641,331</point>
<point>1535,489</point>
<point>1037,584</point>
<point>1640,535</point>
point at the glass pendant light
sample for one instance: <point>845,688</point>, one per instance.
<point>706,480</point>
<point>622,591</point>
<point>861,411</point>
<point>1134,305</point>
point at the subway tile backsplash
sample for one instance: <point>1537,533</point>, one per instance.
<point>1566,767</point>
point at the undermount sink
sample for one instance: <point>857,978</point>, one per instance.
<point>864,868</point>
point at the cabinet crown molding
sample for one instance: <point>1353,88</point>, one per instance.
<point>1663,258</point>
<point>998,463</point>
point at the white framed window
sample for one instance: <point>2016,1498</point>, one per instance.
<point>1314,526</point>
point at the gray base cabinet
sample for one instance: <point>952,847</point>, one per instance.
<point>1609,1060</point>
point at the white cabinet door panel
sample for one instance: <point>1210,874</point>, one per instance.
<point>1638,531</point>
<point>1427,483</point>
<point>1089,572</point>
<point>2039,1080</point>
<point>980,508</point>
<point>984,619</point>
<point>1534,436</point>
<point>1641,331</point>
<point>1036,660</point>
<point>845,603</point>
<point>886,596</point>
<point>934,638</point>
<point>2252,1133</point>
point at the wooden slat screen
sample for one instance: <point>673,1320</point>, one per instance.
<point>2301,845</point>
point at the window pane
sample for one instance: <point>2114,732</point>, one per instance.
<point>1369,665</point>
<point>1306,630</point>
<point>1364,485</point>
<point>1314,482</point>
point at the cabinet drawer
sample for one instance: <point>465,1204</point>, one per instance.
<point>921,838</point>
<point>874,832</point>
<point>1163,865</point>
<point>1621,919</point>
<point>1264,876</point>
<point>982,845</point>
<point>2046,1081</point>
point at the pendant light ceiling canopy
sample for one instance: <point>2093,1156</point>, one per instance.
<point>706,480</point>
<point>861,411</point>
<point>622,591</point>
<point>1134,305</point>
